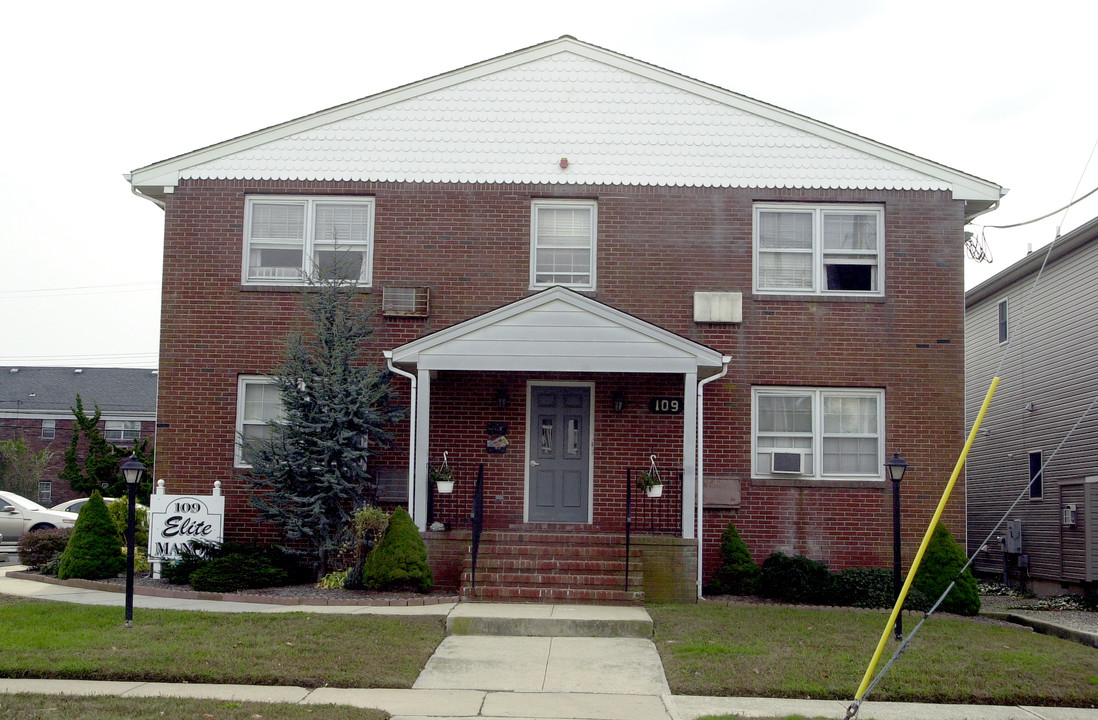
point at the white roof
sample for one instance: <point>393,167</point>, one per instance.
<point>558,330</point>
<point>615,119</point>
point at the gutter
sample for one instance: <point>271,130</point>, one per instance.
<point>388,354</point>
<point>700,475</point>
<point>129,180</point>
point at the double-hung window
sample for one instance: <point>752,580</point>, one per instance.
<point>289,239</point>
<point>817,433</point>
<point>258,403</point>
<point>818,249</point>
<point>122,430</point>
<point>562,243</point>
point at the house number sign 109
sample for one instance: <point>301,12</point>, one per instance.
<point>665,405</point>
<point>175,520</point>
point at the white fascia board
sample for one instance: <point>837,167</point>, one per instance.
<point>153,179</point>
<point>558,364</point>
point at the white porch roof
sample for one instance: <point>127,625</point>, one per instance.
<point>558,330</point>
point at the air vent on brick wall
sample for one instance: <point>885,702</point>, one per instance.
<point>406,301</point>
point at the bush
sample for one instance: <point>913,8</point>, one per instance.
<point>193,556</point>
<point>738,573</point>
<point>796,579</point>
<point>368,527</point>
<point>237,572</point>
<point>94,551</point>
<point>873,588</point>
<point>399,562</point>
<point>38,547</point>
<point>120,514</point>
<point>942,560</point>
<point>334,580</point>
<point>199,554</point>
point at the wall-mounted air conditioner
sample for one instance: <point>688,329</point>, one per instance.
<point>1069,514</point>
<point>787,462</point>
<point>406,301</point>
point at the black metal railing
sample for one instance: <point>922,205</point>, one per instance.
<point>477,518</point>
<point>660,515</point>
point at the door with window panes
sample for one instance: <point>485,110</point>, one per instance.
<point>560,419</point>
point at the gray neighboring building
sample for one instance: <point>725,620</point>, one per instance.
<point>1048,379</point>
<point>36,404</point>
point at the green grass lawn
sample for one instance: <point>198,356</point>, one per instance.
<point>772,651</point>
<point>59,640</point>
<point>56,707</point>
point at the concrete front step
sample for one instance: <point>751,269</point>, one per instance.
<point>549,620</point>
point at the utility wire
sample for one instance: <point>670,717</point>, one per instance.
<point>1043,217</point>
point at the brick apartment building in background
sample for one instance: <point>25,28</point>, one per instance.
<point>582,261</point>
<point>36,405</point>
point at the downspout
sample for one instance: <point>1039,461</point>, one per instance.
<point>411,432</point>
<point>159,203</point>
<point>700,476</point>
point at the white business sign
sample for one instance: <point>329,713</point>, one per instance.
<point>175,520</point>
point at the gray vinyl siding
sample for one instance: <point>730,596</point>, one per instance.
<point>1050,360</point>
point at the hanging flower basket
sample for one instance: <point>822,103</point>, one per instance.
<point>650,481</point>
<point>442,476</point>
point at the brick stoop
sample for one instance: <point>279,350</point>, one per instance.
<point>560,565</point>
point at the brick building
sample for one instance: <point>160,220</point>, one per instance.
<point>600,261</point>
<point>36,405</point>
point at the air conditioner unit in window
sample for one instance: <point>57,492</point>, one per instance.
<point>1069,514</point>
<point>788,462</point>
<point>406,301</point>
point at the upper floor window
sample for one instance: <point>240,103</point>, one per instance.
<point>49,429</point>
<point>258,402</point>
<point>821,434</point>
<point>562,243</point>
<point>819,250</point>
<point>288,239</point>
<point>1036,476</point>
<point>1003,334</point>
<point>121,430</point>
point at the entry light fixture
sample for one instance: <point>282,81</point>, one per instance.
<point>619,402</point>
<point>501,398</point>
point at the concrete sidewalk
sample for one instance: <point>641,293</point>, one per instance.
<point>507,661</point>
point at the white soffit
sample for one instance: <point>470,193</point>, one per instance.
<point>558,329</point>
<point>616,120</point>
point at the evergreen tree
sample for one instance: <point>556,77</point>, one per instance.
<point>941,562</point>
<point>98,471</point>
<point>311,471</point>
<point>94,550</point>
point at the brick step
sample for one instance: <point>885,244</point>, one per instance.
<point>533,564</point>
<point>488,593</point>
<point>505,579</point>
<point>596,552</point>
<point>551,538</point>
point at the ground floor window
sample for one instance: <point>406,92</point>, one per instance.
<point>258,402</point>
<point>817,433</point>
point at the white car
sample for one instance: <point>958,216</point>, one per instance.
<point>19,515</point>
<point>75,504</point>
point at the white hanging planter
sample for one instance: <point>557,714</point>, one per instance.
<point>445,486</point>
<point>655,491</point>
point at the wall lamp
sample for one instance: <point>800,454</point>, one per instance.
<point>619,402</point>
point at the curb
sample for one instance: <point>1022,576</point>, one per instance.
<point>232,597</point>
<point>1046,628</point>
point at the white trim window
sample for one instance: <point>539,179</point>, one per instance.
<point>49,429</point>
<point>819,249</point>
<point>258,401</point>
<point>817,433</point>
<point>562,243</point>
<point>287,239</point>
<point>121,430</point>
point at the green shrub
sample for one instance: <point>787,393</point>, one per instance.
<point>873,588</point>
<point>94,551</point>
<point>199,554</point>
<point>368,527</point>
<point>38,547</point>
<point>237,572</point>
<point>941,562</point>
<point>52,567</point>
<point>334,580</point>
<point>399,562</point>
<point>796,579</point>
<point>738,573</point>
<point>120,514</point>
<point>194,555</point>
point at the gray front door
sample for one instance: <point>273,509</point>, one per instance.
<point>560,431</point>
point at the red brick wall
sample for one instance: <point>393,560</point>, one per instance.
<point>656,247</point>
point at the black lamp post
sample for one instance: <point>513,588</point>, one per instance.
<point>132,469</point>
<point>896,467</point>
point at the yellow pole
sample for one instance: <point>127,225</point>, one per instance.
<point>926,541</point>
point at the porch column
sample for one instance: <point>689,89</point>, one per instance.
<point>689,451</point>
<point>423,444</point>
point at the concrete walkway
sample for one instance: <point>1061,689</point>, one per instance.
<point>505,661</point>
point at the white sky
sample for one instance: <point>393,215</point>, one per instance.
<point>1002,90</point>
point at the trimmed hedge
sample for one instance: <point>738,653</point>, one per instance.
<point>738,573</point>
<point>237,572</point>
<point>399,562</point>
<point>796,579</point>
<point>942,560</point>
<point>38,547</point>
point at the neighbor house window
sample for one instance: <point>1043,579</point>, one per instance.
<point>818,250</point>
<point>817,433</point>
<point>289,239</point>
<point>49,429</point>
<point>45,493</point>
<point>562,245</point>
<point>258,402</point>
<point>121,430</point>
<point>1036,479</point>
<point>1003,333</point>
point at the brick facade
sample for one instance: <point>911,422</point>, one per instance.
<point>470,243</point>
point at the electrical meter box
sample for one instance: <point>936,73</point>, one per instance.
<point>1012,541</point>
